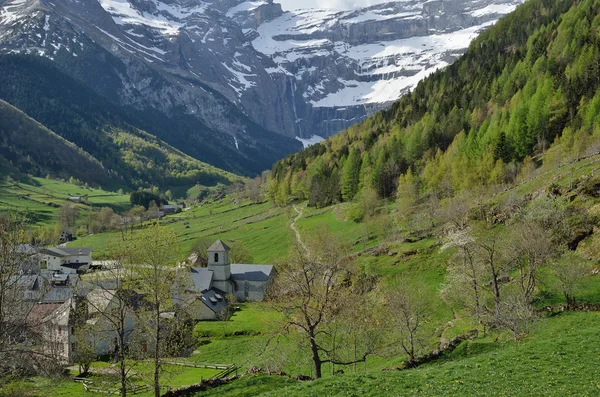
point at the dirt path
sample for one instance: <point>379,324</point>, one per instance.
<point>293,227</point>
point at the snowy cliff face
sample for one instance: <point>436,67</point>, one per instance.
<point>233,63</point>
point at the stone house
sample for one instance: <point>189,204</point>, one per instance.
<point>55,324</point>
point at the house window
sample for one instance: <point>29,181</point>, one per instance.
<point>44,265</point>
<point>59,330</point>
<point>216,257</point>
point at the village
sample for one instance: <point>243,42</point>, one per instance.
<point>65,292</point>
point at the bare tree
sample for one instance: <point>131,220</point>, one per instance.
<point>407,306</point>
<point>311,290</point>
<point>570,271</point>
<point>154,252</point>
<point>21,340</point>
<point>86,342</point>
<point>516,314</point>
<point>464,279</point>
<point>109,303</point>
<point>67,215</point>
<point>532,247</point>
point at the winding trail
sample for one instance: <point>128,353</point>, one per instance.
<point>293,227</point>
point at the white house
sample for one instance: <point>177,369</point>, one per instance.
<point>65,260</point>
<point>206,297</point>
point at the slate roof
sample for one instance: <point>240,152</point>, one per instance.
<point>58,295</point>
<point>64,252</point>
<point>26,249</point>
<point>201,278</point>
<point>243,272</point>
<point>214,299</point>
<point>99,299</point>
<point>219,246</point>
<point>27,282</point>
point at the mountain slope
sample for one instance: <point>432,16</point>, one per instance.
<point>528,82</point>
<point>24,149</point>
<point>85,42</point>
<point>236,70</point>
<point>94,124</point>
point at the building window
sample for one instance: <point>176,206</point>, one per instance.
<point>59,330</point>
<point>216,257</point>
<point>144,347</point>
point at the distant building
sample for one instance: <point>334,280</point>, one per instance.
<point>170,209</point>
<point>66,236</point>
<point>65,260</point>
<point>208,289</point>
<point>76,199</point>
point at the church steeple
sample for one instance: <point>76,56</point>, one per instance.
<point>218,261</point>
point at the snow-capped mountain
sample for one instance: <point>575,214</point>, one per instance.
<point>244,68</point>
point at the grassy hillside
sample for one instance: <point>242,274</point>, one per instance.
<point>557,360</point>
<point>41,198</point>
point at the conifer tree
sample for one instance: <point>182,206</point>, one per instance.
<point>351,176</point>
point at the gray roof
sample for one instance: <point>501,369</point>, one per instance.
<point>219,246</point>
<point>244,272</point>
<point>26,249</point>
<point>63,252</point>
<point>84,287</point>
<point>201,277</point>
<point>27,282</point>
<point>214,299</point>
<point>58,295</point>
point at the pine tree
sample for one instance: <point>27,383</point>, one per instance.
<point>351,176</point>
<point>502,149</point>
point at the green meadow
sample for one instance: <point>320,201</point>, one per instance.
<point>41,199</point>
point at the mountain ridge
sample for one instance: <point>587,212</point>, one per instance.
<point>152,54</point>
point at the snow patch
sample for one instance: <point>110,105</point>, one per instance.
<point>313,140</point>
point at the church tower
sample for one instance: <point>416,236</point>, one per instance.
<point>218,262</point>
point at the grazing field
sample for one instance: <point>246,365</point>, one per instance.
<point>263,229</point>
<point>556,360</point>
<point>174,376</point>
<point>41,199</point>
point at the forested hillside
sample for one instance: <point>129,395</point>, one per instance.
<point>109,133</point>
<point>527,86</point>
<point>24,147</point>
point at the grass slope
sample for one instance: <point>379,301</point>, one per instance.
<point>558,359</point>
<point>41,198</point>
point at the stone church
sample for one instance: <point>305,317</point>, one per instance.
<point>221,278</point>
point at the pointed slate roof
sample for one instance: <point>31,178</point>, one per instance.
<point>219,246</point>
